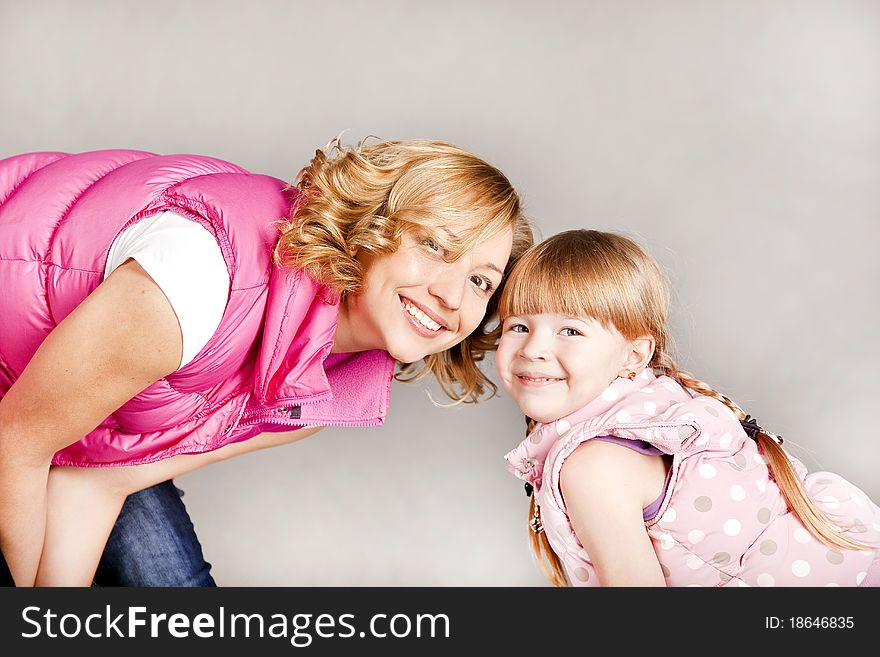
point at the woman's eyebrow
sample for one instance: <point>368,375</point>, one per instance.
<point>488,265</point>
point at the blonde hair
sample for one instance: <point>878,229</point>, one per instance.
<point>611,279</point>
<point>367,197</point>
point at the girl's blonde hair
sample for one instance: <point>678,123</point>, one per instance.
<point>610,278</point>
<point>366,197</point>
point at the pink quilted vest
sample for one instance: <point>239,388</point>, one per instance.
<point>722,521</point>
<point>268,367</point>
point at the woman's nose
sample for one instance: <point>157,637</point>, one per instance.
<point>448,288</point>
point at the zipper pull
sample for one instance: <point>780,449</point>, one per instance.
<point>293,412</point>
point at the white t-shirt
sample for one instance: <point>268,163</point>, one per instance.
<point>185,261</point>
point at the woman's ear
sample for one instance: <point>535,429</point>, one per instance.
<point>638,355</point>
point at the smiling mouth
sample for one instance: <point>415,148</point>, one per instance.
<point>529,380</point>
<point>423,324</point>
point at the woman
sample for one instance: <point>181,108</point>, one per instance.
<point>116,354</point>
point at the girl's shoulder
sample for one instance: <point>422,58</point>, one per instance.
<point>603,470</point>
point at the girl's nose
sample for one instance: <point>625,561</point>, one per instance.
<point>534,347</point>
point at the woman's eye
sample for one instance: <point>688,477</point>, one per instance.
<point>483,283</point>
<point>570,332</point>
<point>431,244</point>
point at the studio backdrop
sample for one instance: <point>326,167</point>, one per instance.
<point>738,140</point>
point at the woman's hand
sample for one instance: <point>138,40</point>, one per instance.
<point>605,487</point>
<point>119,340</point>
<point>83,504</point>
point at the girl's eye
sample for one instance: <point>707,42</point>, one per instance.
<point>517,328</point>
<point>483,283</point>
<point>570,332</point>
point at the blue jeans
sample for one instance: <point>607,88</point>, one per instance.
<point>152,544</point>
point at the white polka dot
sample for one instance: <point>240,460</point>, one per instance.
<point>582,553</point>
<point>648,390</point>
<point>695,585</point>
<point>832,584</point>
<point>801,535</point>
<point>674,406</point>
<point>737,493</point>
<point>766,579</point>
<point>760,459</point>
<point>562,427</point>
<point>623,416</point>
<point>610,393</point>
<point>666,541</point>
<point>743,585</point>
<point>645,374</point>
<point>829,501</point>
<point>695,536</point>
<point>762,485</point>
<point>800,568</point>
<point>669,516</point>
<point>694,562</point>
<point>725,440</point>
<point>707,471</point>
<point>702,440</point>
<point>688,417</point>
<point>860,578</point>
<point>732,527</point>
<point>650,408</point>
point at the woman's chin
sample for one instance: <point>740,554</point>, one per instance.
<point>410,349</point>
<point>407,353</point>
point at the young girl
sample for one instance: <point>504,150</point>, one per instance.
<point>643,475</point>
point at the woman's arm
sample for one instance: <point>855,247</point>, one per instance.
<point>120,339</point>
<point>605,487</point>
<point>85,502</point>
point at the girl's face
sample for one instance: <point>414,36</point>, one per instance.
<point>415,303</point>
<point>552,365</point>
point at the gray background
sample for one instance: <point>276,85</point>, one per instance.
<point>739,141</point>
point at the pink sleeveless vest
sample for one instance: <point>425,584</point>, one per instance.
<point>723,521</point>
<point>267,368</point>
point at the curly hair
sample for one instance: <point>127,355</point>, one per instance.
<point>366,197</point>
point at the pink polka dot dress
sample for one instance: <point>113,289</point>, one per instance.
<point>722,520</point>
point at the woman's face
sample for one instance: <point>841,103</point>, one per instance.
<point>415,303</point>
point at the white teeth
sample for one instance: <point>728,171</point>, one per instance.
<point>422,318</point>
